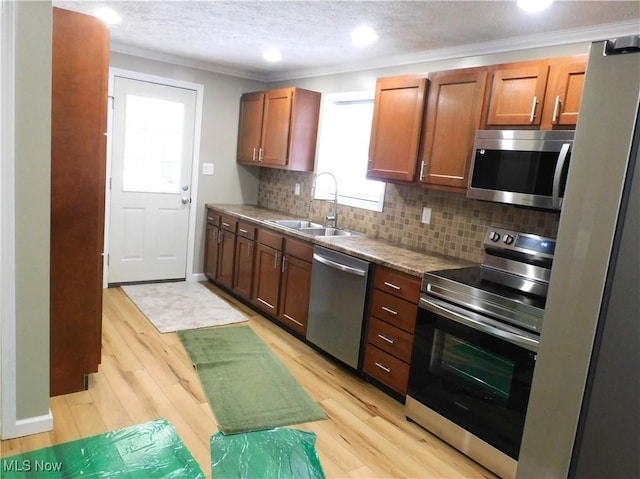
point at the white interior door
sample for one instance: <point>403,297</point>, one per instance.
<point>152,155</point>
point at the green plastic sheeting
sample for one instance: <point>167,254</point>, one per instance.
<point>279,453</point>
<point>151,450</point>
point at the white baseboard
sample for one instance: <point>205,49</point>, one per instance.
<point>29,426</point>
<point>198,277</point>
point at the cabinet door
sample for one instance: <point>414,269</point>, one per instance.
<point>517,94</point>
<point>227,258</point>
<point>244,267</point>
<point>276,126</point>
<point>266,287</point>
<point>211,252</point>
<point>562,104</point>
<point>454,112</point>
<point>250,128</point>
<point>396,127</point>
<point>294,297</point>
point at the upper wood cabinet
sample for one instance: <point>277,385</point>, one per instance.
<point>517,94</point>
<point>564,93</point>
<point>278,128</point>
<point>396,128</point>
<point>454,113</point>
<point>544,93</point>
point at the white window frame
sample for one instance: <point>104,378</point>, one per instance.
<point>347,195</point>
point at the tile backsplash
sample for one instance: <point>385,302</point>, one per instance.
<point>457,225</point>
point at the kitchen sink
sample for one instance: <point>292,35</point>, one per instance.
<point>325,231</point>
<point>296,224</point>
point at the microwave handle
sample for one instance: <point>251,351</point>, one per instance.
<point>557,176</point>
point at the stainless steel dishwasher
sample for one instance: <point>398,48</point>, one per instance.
<point>337,304</point>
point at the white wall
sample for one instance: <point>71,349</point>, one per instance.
<point>230,183</point>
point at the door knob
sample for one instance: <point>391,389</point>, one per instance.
<point>186,201</point>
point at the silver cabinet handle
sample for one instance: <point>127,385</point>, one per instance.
<point>220,236</point>
<point>422,164</point>
<point>249,248</point>
<point>242,230</point>
<point>253,157</point>
<point>260,154</point>
<point>388,310</point>
<point>293,320</point>
<point>226,225</point>
<point>384,338</point>
<point>534,107</point>
<point>384,368</point>
<point>556,109</point>
<point>391,285</point>
<point>284,264</point>
<point>276,257</point>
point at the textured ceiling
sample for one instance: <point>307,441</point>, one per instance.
<point>314,36</point>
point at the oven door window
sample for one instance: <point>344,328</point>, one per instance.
<point>476,380</point>
<point>470,366</point>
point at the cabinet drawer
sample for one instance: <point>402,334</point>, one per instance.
<point>386,369</point>
<point>269,238</point>
<point>390,339</point>
<point>228,223</point>
<point>213,218</point>
<point>394,310</point>
<point>299,249</point>
<point>397,283</point>
<point>246,230</point>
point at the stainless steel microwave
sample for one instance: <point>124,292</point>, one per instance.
<point>521,167</point>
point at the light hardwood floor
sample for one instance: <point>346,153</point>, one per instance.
<point>146,375</point>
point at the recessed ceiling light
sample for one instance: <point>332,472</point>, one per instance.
<point>271,55</point>
<point>107,15</point>
<point>534,5</point>
<point>363,36</point>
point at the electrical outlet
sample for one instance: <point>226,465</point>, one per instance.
<point>426,215</point>
<point>207,168</point>
<point>296,190</point>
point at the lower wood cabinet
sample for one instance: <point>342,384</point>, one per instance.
<point>244,260</point>
<point>390,328</point>
<point>211,248</point>
<point>296,284</point>
<point>266,279</point>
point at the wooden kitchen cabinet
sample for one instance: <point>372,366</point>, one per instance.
<point>396,127</point>
<point>80,71</point>
<point>212,249</point>
<point>227,251</point>
<point>266,279</point>
<point>454,113</point>
<point>296,284</point>
<point>244,256</point>
<point>542,93</point>
<point>517,94</point>
<point>278,128</point>
<point>390,328</point>
<point>564,93</point>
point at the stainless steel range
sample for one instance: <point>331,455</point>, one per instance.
<point>475,346</point>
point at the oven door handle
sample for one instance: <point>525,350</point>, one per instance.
<point>480,323</point>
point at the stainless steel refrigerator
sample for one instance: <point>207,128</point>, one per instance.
<point>583,418</point>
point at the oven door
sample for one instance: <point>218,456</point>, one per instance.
<point>474,371</point>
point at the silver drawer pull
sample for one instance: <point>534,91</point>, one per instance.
<point>210,219</point>
<point>384,368</point>
<point>388,310</point>
<point>226,225</point>
<point>243,231</point>
<point>390,341</point>
<point>391,285</point>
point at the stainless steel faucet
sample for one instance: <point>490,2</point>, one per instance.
<point>330,221</point>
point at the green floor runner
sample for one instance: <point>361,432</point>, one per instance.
<point>248,387</point>
<point>280,453</point>
<point>152,450</point>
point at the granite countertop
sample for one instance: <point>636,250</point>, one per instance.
<point>377,251</point>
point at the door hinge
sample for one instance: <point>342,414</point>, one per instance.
<point>110,180</point>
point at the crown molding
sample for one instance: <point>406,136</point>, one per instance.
<point>557,38</point>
